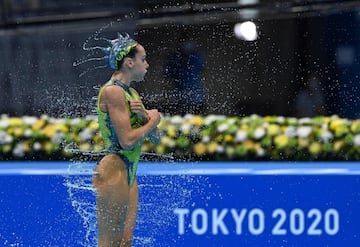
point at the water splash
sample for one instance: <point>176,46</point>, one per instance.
<point>154,218</point>
<point>15,242</point>
<point>82,196</point>
<point>73,148</point>
<point>160,196</point>
<point>92,57</point>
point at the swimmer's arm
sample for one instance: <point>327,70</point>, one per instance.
<point>154,135</point>
<point>138,107</point>
<point>116,107</point>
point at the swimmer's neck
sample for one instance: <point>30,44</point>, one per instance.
<point>124,78</point>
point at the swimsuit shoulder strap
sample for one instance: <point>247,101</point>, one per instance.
<point>124,86</point>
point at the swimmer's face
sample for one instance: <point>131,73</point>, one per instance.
<point>140,65</point>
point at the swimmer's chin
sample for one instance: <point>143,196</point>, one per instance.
<point>140,80</point>
<point>143,77</point>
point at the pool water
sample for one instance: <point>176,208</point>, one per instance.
<point>188,204</point>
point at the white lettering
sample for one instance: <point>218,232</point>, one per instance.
<point>313,228</point>
<point>259,214</point>
<point>181,212</point>
<point>199,213</point>
<point>238,218</point>
<point>295,221</point>
<point>217,221</point>
<point>332,219</point>
<point>278,228</point>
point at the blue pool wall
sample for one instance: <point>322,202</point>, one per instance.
<point>188,204</point>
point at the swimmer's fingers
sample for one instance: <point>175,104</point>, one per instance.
<point>136,106</point>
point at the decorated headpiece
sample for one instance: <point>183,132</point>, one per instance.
<point>119,48</point>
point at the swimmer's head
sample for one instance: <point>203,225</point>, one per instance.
<point>123,46</point>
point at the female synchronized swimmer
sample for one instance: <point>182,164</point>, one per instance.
<point>124,123</point>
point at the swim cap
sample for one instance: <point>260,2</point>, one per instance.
<point>119,48</point>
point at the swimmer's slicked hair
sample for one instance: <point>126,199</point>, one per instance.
<point>119,49</point>
<point>131,54</point>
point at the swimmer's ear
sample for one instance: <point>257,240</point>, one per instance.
<point>129,62</point>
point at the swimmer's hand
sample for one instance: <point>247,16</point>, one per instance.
<point>153,116</point>
<point>137,107</point>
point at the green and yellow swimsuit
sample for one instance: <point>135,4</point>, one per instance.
<point>131,157</point>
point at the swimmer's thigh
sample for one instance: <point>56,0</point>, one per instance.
<point>112,198</point>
